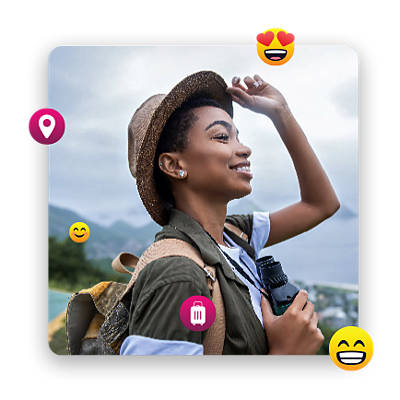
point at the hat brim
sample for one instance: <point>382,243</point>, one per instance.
<point>201,84</point>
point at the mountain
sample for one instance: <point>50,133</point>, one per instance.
<point>345,212</point>
<point>108,242</point>
<point>246,205</point>
<point>104,242</point>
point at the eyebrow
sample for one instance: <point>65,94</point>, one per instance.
<point>227,125</point>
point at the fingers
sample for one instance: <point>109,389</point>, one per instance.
<point>305,311</point>
<point>236,83</point>
<point>314,320</point>
<point>268,315</point>
<point>259,80</point>
<point>236,91</point>
<point>253,83</point>
<point>319,337</point>
<point>242,94</point>
<point>308,310</point>
<point>300,301</point>
<point>239,96</point>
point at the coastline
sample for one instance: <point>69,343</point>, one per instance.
<point>60,290</point>
<point>56,323</point>
<point>345,286</point>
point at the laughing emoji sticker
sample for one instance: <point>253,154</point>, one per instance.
<point>275,46</point>
<point>79,232</point>
<point>351,348</point>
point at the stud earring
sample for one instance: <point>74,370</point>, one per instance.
<point>161,166</point>
<point>181,173</point>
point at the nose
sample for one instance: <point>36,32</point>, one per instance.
<point>243,150</point>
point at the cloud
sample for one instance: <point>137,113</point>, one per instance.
<point>97,90</point>
<point>345,97</point>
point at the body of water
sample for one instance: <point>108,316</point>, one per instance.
<point>327,253</point>
<point>58,302</point>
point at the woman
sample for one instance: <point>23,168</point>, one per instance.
<point>185,154</point>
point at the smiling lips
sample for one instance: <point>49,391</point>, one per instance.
<point>80,236</point>
<point>243,168</point>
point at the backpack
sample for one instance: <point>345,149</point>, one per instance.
<point>97,319</point>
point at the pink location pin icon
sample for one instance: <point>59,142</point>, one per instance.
<point>47,126</point>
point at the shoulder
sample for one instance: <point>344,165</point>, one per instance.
<point>256,226</point>
<point>242,221</point>
<point>260,218</point>
<point>157,297</point>
<point>261,230</point>
<point>172,270</point>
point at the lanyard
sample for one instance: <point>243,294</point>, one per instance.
<point>238,267</point>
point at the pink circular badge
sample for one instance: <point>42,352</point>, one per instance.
<point>47,126</point>
<point>197,313</point>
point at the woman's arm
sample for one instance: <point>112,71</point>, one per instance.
<point>318,199</point>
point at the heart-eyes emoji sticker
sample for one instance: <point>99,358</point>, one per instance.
<point>275,46</point>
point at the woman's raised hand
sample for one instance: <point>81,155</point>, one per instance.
<point>259,96</point>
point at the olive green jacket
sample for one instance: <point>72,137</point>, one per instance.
<point>164,284</point>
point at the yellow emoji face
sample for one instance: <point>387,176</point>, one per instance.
<point>79,232</point>
<point>351,348</point>
<point>275,46</point>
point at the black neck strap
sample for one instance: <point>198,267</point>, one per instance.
<point>238,267</point>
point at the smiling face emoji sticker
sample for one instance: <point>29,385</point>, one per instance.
<point>351,348</point>
<point>79,232</point>
<point>275,46</point>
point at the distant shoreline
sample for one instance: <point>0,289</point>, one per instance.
<point>335,285</point>
<point>60,290</point>
<point>55,324</point>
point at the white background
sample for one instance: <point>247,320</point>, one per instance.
<point>22,23</point>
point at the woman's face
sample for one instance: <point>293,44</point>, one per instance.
<point>214,155</point>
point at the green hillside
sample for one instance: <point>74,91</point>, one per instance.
<point>108,242</point>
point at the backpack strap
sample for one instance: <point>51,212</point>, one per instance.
<point>215,338</point>
<point>236,230</point>
<point>240,238</point>
<point>214,341</point>
<point>124,259</point>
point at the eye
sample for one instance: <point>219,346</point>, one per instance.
<point>83,229</point>
<point>76,229</point>
<point>359,342</point>
<point>343,342</point>
<point>222,137</point>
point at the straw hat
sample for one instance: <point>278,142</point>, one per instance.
<point>147,123</point>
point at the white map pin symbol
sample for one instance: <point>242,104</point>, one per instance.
<point>47,130</point>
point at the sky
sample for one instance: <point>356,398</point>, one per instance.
<point>97,89</point>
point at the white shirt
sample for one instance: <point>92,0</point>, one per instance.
<point>259,236</point>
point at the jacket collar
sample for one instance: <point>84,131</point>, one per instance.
<point>187,226</point>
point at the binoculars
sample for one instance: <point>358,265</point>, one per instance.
<point>275,282</point>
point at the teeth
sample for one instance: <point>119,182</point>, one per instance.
<point>242,169</point>
<point>275,51</point>
<point>351,357</point>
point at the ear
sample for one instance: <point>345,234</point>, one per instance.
<point>171,164</point>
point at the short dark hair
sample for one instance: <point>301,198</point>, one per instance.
<point>174,137</point>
